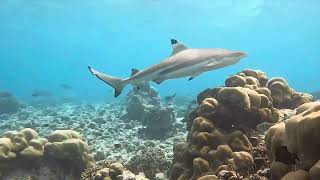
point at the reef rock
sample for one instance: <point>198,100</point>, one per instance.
<point>149,161</point>
<point>144,105</point>
<point>8,103</point>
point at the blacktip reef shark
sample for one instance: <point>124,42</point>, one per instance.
<point>183,62</point>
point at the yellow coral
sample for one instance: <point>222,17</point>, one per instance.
<point>5,149</point>
<point>279,169</point>
<point>296,175</point>
<point>66,144</point>
<point>315,171</point>
<point>208,177</point>
<point>239,142</point>
<point>200,166</point>
<point>242,162</point>
<point>302,134</point>
<point>61,135</point>
<point>274,139</point>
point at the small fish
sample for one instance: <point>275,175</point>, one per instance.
<point>183,62</point>
<point>40,93</point>
<point>170,98</point>
<point>316,95</point>
<point>5,94</point>
<point>65,86</point>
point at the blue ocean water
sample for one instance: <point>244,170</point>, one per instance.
<point>44,43</point>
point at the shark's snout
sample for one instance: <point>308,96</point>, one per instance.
<point>239,54</point>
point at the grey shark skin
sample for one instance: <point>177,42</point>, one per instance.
<point>183,62</point>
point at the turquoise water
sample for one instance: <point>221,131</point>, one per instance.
<point>44,43</point>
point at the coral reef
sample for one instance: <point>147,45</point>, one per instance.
<point>284,96</point>
<point>150,161</point>
<point>67,145</point>
<point>218,142</point>
<point>109,171</point>
<point>63,154</point>
<point>139,99</point>
<point>25,144</point>
<point>8,103</point>
<point>237,107</point>
<point>225,137</point>
<point>144,105</point>
<point>296,142</point>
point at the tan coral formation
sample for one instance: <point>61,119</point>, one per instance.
<point>276,89</point>
<point>25,144</point>
<point>237,107</point>
<point>18,148</point>
<point>296,142</point>
<point>284,96</point>
<point>211,147</point>
<point>67,144</point>
<point>110,172</point>
<point>217,143</point>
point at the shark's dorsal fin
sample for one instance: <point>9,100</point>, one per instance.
<point>134,71</point>
<point>177,47</point>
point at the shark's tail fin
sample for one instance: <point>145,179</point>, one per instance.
<point>114,82</point>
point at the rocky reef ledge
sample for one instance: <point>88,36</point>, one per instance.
<point>252,128</point>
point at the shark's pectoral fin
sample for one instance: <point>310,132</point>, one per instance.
<point>134,71</point>
<point>214,63</point>
<point>177,47</point>
<point>158,81</point>
<point>193,76</point>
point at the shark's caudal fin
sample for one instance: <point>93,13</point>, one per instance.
<point>114,82</point>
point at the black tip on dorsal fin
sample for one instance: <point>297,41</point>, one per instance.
<point>134,71</point>
<point>173,41</point>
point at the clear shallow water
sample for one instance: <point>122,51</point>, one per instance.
<point>46,43</point>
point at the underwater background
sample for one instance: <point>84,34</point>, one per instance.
<point>258,119</point>
<point>47,43</point>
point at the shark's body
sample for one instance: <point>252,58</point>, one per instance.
<point>183,62</point>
